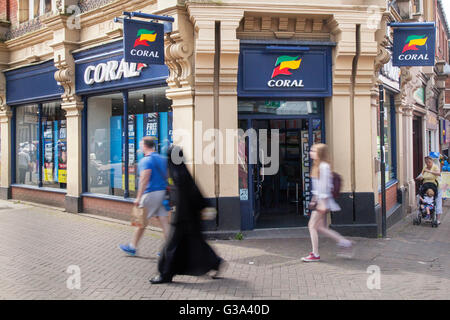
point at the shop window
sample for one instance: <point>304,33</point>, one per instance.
<point>389,141</point>
<point>52,140</point>
<point>54,148</point>
<point>148,115</point>
<point>278,107</point>
<point>27,144</point>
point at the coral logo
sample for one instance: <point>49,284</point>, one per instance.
<point>284,64</point>
<point>143,36</point>
<point>413,41</point>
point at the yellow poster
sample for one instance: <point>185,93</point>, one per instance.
<point>445,185</point>
<point>131,182</point>
<point>48,174</point>
<point>62,176</point>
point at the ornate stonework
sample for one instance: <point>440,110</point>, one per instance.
<point>283,27</point>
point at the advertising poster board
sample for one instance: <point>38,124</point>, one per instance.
<point>445,185</point>
<point>62,152</point>
<point>48,151</point>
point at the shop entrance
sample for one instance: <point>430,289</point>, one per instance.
<point>276,198</point>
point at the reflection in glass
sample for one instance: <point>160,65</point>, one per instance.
<point>54,139</point>
<point>147,116</point>
<point>279,107</point>
<point>27,145</point>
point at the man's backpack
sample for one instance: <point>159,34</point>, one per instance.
<point>337,181</point>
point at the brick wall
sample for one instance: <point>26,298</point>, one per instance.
<point>391,197</point>
<point>112,209</point>
<point>3,10</point>
<point>447,91</point>
<point>54,199</point>
<point>12,11</point>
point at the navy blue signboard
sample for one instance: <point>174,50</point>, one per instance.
<point>32,84</point>
<point>143,42</point>
<point>414,46</point>
<point>269,71</point>
<point>104,69</point>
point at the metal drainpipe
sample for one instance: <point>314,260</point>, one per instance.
<point>216,107</point>
<point>352,115</point>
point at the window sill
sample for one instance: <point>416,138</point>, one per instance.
<point>25,186</point>
<point>107,197</point>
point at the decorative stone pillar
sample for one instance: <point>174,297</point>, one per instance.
<point>5,145</point>
<point>5,132</point>
<point>407,87</point>
<point>64,41</point>
<point>381,59</point>
<point>349,120</point>
<point>178,57</point>
<point>229,201</point>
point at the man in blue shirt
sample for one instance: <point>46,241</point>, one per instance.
<point>151,191</point>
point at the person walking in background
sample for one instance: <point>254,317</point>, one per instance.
<point>322,203</point>
<point>186,252</point>
<point>151,191</point>
<point>24,160</point>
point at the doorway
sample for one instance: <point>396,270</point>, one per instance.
<point>276,197</point>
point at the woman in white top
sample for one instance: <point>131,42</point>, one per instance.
<point>324,202</point>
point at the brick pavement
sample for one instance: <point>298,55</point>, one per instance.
<point>37,245</point>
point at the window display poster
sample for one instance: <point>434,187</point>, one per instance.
<point>305,172</point>
<point>163,132</point>
<point>170,126</point>
<point>62,152</point>
<point>116,148</point>
<point>151,126</point>
<point>48,151</point>
<point>131,154</point>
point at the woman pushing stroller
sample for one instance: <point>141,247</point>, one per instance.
<point>429,190</point>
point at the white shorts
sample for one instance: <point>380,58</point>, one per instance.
<point>153,204</point>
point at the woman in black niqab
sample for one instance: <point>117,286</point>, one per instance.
<point>186,252</point>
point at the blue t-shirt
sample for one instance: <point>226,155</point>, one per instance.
<point>158,176</point>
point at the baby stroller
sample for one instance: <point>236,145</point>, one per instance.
<point>422,213</point>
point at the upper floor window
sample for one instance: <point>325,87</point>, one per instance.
<point>30,9</point>
<point>39,7</point>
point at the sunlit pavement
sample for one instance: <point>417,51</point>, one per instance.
<point>42,250</point>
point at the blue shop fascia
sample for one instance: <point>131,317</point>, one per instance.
<point>123,102</point>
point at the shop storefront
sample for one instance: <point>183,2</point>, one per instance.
<point>280,97</point>
<point>38,137</point>
<point>123,102</point>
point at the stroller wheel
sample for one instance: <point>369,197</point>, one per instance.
<point>434,224</point>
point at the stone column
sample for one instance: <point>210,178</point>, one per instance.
<point>229,201</point>
<point>64,41</point>
<point>5,132</point>
<point>5,144</point>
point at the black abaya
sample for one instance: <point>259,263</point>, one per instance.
<point>186,252</point>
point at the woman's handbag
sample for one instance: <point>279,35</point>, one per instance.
<point>312,205</point>
<point>139,217</point>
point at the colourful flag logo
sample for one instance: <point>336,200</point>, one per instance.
<point>284,63</point>
<point>144,35</point>
<point>140,66</point>
<point>413,41</point>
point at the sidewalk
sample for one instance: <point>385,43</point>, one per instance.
<point>37,246</point>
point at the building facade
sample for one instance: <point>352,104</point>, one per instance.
<point>238,76</point>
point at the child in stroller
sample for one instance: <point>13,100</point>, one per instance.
<point>427,201</point>
<point>427,204</point>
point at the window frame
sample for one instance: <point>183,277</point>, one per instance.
<point>40,138</point>
<point>125,146</point>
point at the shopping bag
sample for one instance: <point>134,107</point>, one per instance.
<point>138,217</point>
<point>209,213</point>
